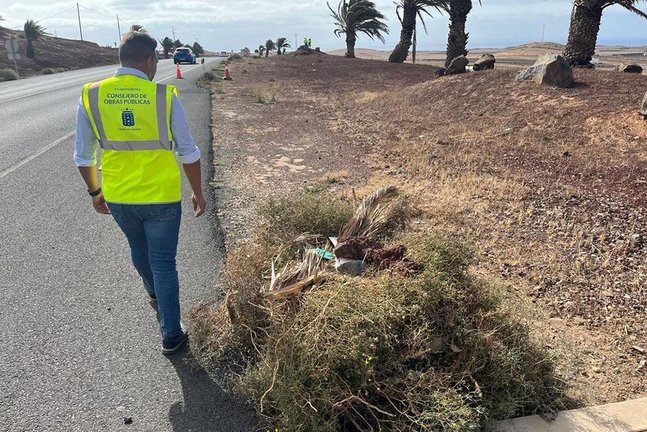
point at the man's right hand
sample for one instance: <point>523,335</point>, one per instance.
<point>99,204</point>
<point>199,204</point>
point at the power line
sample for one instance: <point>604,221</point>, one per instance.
<point>54,16</point>
<point>96,13</point>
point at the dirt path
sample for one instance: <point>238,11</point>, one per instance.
<point>546,185</point>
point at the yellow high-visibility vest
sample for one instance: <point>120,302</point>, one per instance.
<point>131,118</point>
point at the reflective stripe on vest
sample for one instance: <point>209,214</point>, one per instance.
<point>164,142</point>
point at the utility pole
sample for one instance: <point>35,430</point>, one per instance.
<point>78,13</point>
<point>173,31</point>
<point>118,30</point>
<point>543,33</point>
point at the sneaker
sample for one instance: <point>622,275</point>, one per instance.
<point>173,345</point>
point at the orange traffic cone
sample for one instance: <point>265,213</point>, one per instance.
<point>178,72</point>
<point>227,74</point>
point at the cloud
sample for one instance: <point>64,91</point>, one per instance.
<point>219,24</point>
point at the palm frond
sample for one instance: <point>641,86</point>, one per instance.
<point>354,16</point>
<point>377,215</point>
<point>629,5</point>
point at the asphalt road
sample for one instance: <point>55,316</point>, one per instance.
<point>80,346</point>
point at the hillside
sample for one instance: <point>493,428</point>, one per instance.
<point>55,53</point>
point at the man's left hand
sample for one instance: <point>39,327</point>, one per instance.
<point>99,204</point>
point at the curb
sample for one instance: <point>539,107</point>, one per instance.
<point>628,416</point>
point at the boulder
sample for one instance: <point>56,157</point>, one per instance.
<point>551,69</point>
<point>486,61</point>
<point>630,68</point>
<point>643,109</point>
<point>304,50</point>
<point>457,66</point>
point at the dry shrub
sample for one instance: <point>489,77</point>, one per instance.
<point>264,94</point>
<point>287,218</point>
<point>436,351</point>
<point>8,75</point>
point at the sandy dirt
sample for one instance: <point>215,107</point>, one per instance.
<point>548,186</point>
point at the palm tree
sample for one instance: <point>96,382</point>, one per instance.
<point>355,16</point>
<point>261,50</point>
<point>411,10</point>
<point>281,44</point>
<point>197,49</point>
<point>269,46</point>
<point>167,46</point>
<point>457,39</point>
<point>33,32</point>
<point>585,25</point>
<point>177,43</point>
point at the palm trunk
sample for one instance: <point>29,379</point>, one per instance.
<point>457,39</point>
<point>30,49</point>
<point>413,48</point>
<point>351,38</point>
<point>267,52</point>
<point>401,50</point>
<point>583,35</point>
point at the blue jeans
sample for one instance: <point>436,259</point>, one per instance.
<point>152,231</point>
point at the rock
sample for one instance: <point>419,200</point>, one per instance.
<point>486,62</point>
<point>304,50</point>
<point>457,66</point>
<point>635,240</point>
<point>629,68</point>
<point>550,69</point>
<point>643,109</point>
<point>350,267</point>
<point>440,72</point>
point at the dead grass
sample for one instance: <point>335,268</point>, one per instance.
<point>432,352</point>
<point>264,94</point>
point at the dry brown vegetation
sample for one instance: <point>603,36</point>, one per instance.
<point>546,185</point>
<point>432,349</point>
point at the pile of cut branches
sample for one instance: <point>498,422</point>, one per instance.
<point>320,350</point>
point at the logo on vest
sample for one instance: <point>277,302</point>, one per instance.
<point>127,117</point>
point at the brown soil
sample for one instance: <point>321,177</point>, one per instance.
<point>55,53</point>
<point>547,185</point>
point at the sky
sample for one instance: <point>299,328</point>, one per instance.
<point>231,25</point>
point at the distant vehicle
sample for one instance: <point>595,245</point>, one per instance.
<point>184,55</point>
<point>223,54</point>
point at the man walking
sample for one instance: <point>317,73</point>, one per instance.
<point>141,128</point>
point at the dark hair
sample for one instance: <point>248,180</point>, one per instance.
<point>135,47</point>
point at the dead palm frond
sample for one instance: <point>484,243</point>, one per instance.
<point>378,215</point>
<point>295,277</point>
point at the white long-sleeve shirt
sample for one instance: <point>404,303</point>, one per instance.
<point>85,146</point>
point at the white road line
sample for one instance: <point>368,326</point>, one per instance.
<point>35,155</point>
<point>64,137</point>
